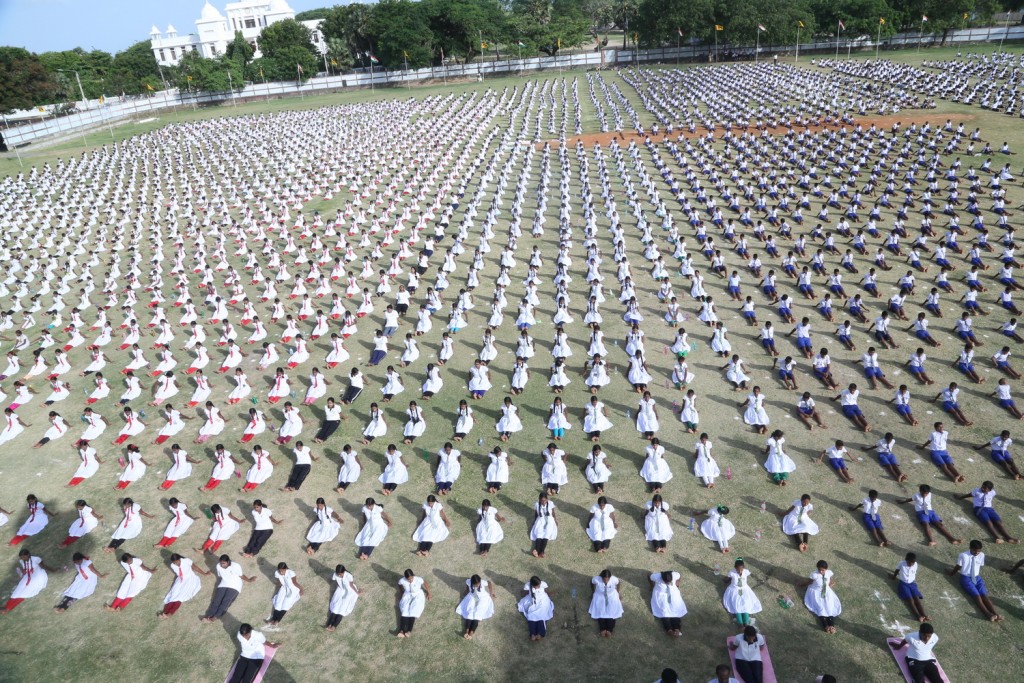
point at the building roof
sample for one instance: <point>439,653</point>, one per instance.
<point>210,13</point>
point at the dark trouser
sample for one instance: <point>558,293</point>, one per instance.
<point>405,624</point>
<point>602,545</point>
<point>257,539</point>
<point>389,487</point>
<point>66,602</point>
<point>537,628</point>
<point>659,544</point>
<point>671,623</point>
<point>540,545</point>
<point>485,547</point>
<point>444,485</point>
<point>315,546</point>
<point>827,621</point>
<point>277,615</point>
<point>333,619</point>
<point>606,625</point>
<point>425,546</point>
<point>593,435</point>
<point>297,476</point>
<point>922,670</point>
<point>551,487</point>
<point>470,625</point>
<point>246,670</point>
<point>494,485</point>
<point>655,485</point>
<point>750,672</point>
<point>326,429</point>
<point>803,538</point>
<point>222,599</point>
<point>366,550</point>
<point>351,394</point>
<point>115,543</point>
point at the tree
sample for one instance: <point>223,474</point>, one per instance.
<point>240,50</point>
<point>24,81</point>
<point>551,24</point>
<point>399,28</point>
<point>338,53</point>
<point>282,35</point>
<point>313,14</point>
<point>658,21</point>
<point>349,23</point>
<point>133,69</point>
<point>198,74</point>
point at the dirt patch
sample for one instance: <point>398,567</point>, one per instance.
<point>883,122</point>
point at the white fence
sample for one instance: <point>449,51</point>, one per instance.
<point>96,114</point>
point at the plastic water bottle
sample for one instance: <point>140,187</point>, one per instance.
<point>728,473</point>
<point>785,602</point>
<point>629,414</point>
<point>572,592</point>
<point>764,507</point>
<point>480,441</point>
<point>142,414</point>
<point>718,568</point>
<point>675,406</point>
<point>692,525</point>
<point>757,535</point>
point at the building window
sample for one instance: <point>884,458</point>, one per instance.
<point>162,59</point>
<point>250,23</point>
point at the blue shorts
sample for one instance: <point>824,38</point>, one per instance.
<point>785,374</point>
<point>837,463</point>
<point>785,312</point>
<point>872,522</point>
<point>929,517</point>
<point>941,458</point>
<point>908,590</point>
<point>923,334</point>
<point>749,315</point>
<point>733,290</point>
<point>820,373</point>
<point>845,338</point>
<point>1001,456</point>
<point>852,411</point>
<point>803,342</point>
<point>873,373</point>
<point>973,586</point>
<point>1002,364</point>
<point>1009,333</point>
<point>1007,403</point>
<point>887,459</point>
<point>903,410</point>
<point>987,515</point>
<point>965,367</point>
<point>805,411</point>
<point>770,291</point>
<point>950,406</point>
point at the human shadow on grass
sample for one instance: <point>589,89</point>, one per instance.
<point>390,578</point>
<point>455,583</point>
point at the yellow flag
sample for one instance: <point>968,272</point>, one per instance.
<point>800,24</point>
<point>718,27</point>
<point>559,42</point>
<point>101,99</point>
<point>333,63</point>
<point>149,87</point>
<point>965,16</point>
<point>881,22</point>
<point>42,109</point>
<point>405,54</point>
<point>189,78</point>
<point>483,46</point>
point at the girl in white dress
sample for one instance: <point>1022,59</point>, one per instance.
<point>415,593</point>
<point>797,522</point>
<point>597,375</point>
<point>778,464</point>
<point>545,525</point>
<point>488,527</point>
<point>256,425</point>
<point>449,467</point>
<point>559,379</point>
<point>32,579</point>
<point>720,340</point>
<point>605,602</point>
<point>317,387</point>
<point>479,380</point>
<point>415,425</point>
<point>509,422</point>
<point>350,468</point>
<point>464,421</point>
<point>343,601</point>
<point>325,528</point>
<point>520,376</point>
<point>595,419</point>
<point>395,472</point>
<point>638,374</point>
<point>130,526</point>
<point>376,523</point>
<point>476,605</point>
<point>287,594</point>
<point>657,524</point>
<point>175,423</point>
<point>186,584</point>
<point>83,585</point>
<point>133,426</point>
<point>392,384</point>
<point>739,598</point>
<point>242,388</point>
<point>498,471</point>
<point>136,578</point>
<point>261,470</point>
<point>433,527</point>
<point>655,470</point>
<point>433,383</point>
<point>647,416</point>
<point>181,467</point>
<point>717,528</point>
<point>558,419</point>
<point>820,597</point>
<point>704,465</point>
<point>89,466</point>
<point>755,415</point>
<point>213,425</point>
<point>58,428</point>
<point>181,521</point>
<point>222,528</point>
<point>85,521</point>
<point>667,602</point>
<point>537,607</point>
<point>12,426</point>
<point>597,471</point>
<point>735,372</point>
<point>376,427</point>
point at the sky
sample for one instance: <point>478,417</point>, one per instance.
<point>110,25</point>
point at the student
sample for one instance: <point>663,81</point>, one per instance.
<point>488,527</point>
<point>222,528</point>
<point>716,527</point>
<point>415,594</point>
<point>983,498</point>
<point>704,465</point>
<point>969,565</point>
<point>32,579</point>
<point>936,445</point>
<point>657,524</point>
<point>83,585</point>
<point>433,528</point>
<point>545,525</point>
<point>602,526</point>
<point>927,516</point>
<point>886,458</point>
<point>537,607</point>
<point>820,597</point>
<point>288,593</point>
<point>250,659</point>
<point>606,602</point>
<point>304,459</point>
<point>136,578</point>
<point>343,601</point>
<point>38,518</point>
<point>263,522</point>
<point>130,527</point>
<point>476,605</point>
<point>999,447</point>
<point>848,404</point>
<point>666,601</point>
<point>723,674</point>
<point>376,523</point>
<point>835,458</point>
<point>748,646</point>
<point>906,574</point>
<point>739,598</point>
<point>797,522</point>
<point>325,528</point>
<point>186,584</point>
<point>872,520</point>
<point>920,662</point>
<point>231,576</point>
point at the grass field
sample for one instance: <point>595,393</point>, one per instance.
<point>88,643</point>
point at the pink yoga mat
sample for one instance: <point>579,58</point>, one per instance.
<point>268,655</point>
<point>901,660</point>
<point>768,671</point>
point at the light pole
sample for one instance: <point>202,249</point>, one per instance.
<point>231,87</point>
<point>79,81</point>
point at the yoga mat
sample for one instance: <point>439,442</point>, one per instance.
<point>268,656</point>
<point>767,670</point>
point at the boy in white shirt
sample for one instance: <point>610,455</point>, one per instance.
<point>920,661</point>
<point>723,674</point>
<point>969,565</point>
<point>906,574</point>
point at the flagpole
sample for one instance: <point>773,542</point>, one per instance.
<point>757,45</point>
<point>878,40</point>
<point>298,76</point>
<point>405,59</point>
<point>837,40</point>
<point>797,44</point>
<point>444,69</point>
<point>920,38</point>
<point>716,44</point>
<point>1006,29</point>
<point>679,37</point>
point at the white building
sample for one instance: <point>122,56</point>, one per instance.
<point>215,30</point>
